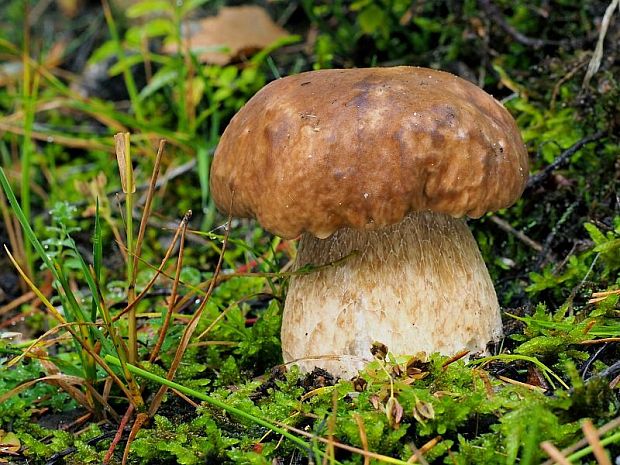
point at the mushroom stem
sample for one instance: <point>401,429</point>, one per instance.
<point>417,286</point>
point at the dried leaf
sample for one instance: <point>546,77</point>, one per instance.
<point>417,368</point>
<point>242,30</point>
<point>379,350</point>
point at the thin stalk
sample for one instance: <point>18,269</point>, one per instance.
<point>173,297</point>
<point>149,201</point>
<point>190,328</point>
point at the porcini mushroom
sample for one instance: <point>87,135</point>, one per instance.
<point>377,166</point>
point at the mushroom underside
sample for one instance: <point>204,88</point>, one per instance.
<point>417,286</point>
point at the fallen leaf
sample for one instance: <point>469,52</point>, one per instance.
<point>235,32</point>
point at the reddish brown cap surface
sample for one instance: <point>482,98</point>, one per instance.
<point>361,148</point>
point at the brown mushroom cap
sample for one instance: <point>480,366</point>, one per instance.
<point>361,148</point>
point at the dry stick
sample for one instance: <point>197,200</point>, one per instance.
<point>591,435</point>
<point>456,357</point>
<point>147,206</point>
<point>520,383</point>
<point>185,398</point>
<point>607,427</point>
<point>495,14</point>
<point>505,226</point>
<point>562,159</point>
<point>600,341</point>
<point>175,286</point>
<point>598,296</point>
<point>118,435</point>
<point>191,326</point>
<point>424,449</point>
<point>158,271</point>
<point>417,455</point>
<point>554,453</point>
<point>137,425</point>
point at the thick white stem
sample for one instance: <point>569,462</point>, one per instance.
<point>418,286</point>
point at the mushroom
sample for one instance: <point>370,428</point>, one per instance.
<point>375,169</point>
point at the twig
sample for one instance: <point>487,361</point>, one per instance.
<point>418,455</point>
<point>119,434</point>
<point>173,297</point>
<point>600,341</point>
<point>141,418</point>
<point>147,206</point>
<point>504,225</point>
<point>596,296</point>
<point>562,159</point>
<point>496,16</point>
<point>592,359</point>
<point>58,456</point>
<point>554,453</point>
<point>519,383</point>
<point>592,436</point>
